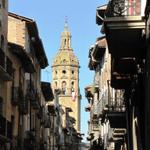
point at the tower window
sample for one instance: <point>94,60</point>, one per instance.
<point>64,71</point>
<point>72,86</point>
<point>64,61</point>
<point>64,87</point>
<point>65,42</point>
<point>72,83</point>
<point>72,71</point>
<point>55,72</point>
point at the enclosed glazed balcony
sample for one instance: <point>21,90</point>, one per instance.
<point>124,27</point>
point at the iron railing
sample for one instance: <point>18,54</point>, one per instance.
<point>123,8</point>
<point>116,105</point>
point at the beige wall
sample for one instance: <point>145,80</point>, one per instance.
<point>16,29</point>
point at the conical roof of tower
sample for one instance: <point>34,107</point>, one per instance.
<point>65,55</point>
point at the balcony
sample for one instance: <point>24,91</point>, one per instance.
<point>15,95</point>
<point>51,109</point>
<point>5,67</point>
<point>124,25</point>
<point>23,102</point>
<point>125,65</point>
<point>35,99</point>
<point>5,128</point>
<point>89,93</point>
<point>119,134</point>
<point>99,49</point>
<point>116,111</point>
<point>120,81</point>
<point>95,125</point>
<point>88,108</point>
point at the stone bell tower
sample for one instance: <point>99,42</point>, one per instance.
<point>65,76</point>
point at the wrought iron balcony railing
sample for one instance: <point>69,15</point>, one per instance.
<point>124,8</point>
<point>116,105</point>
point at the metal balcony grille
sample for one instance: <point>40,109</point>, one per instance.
<point>124,8</point>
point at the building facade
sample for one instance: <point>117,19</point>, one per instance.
<point>24,118</point>
<point>126,27</point>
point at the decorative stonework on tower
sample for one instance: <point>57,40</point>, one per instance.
<point>65,76</point>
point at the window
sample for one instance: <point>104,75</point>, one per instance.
<point>64,71</point>
<point>64,61</point>
<point>72,83</point>
<point>72,86</point>
<point>72,71</point>
<point>64,87</point>
<point>55,72</point>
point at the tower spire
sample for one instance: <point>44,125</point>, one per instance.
<point>66,37</point>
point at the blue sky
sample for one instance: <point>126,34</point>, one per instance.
<point>50,18</point>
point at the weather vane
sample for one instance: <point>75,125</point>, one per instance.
<point>66,19</point>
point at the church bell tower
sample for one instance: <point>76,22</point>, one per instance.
<point>65,76</point>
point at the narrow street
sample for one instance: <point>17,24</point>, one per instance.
<point>69,97</point>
